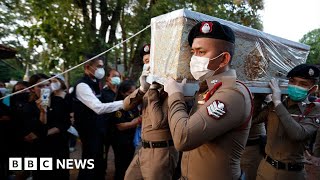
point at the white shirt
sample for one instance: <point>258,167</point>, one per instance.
<point>85,94</point>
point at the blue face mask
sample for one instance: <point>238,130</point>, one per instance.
<point>297,93</point>
<point>115,80</point>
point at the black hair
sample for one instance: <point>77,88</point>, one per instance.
<point>110,70</point>
<point>36,77</point>
<point>124,87</point>
<point>34,80</point>
<point>89,56</point>
<point>63,84</point>
<point>23,83</point>
<point>2,83</point>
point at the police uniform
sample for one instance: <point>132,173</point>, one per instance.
<point>214,135</point>
<point>212,143</point>
<point>289,128</point>
<point>254,150</point>
<point>123,147</point>
<point>157,158</point>
<point>313,170</point>
<point>110,129</point>
<point>316,150</point>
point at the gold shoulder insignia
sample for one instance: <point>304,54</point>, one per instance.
<point>118,114</point>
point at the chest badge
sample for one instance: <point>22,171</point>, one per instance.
<point>216,109</point>
<point>118,114</point>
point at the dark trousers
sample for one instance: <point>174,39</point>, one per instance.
<point>57,147</point>
<point>72,141</point>
<point>123,156</point>
<point>92,148</point>
<point>177,171</point>
<point>109,142</point>
<point>6,147</point>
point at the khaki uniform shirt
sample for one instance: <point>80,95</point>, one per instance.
<point>257,128</point>
<point>316,150</point>
<point>154,114</point>
<point>287,132</point>
<point>211,139</point>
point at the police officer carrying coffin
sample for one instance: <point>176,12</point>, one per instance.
<point>316,150</point>
<point>291,122</point>
<point>213,137</point>
<point>157,159</point>
<point>87,111</point>
<point>254,151</point>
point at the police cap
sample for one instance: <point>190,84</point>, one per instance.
<point>145,50</point>
<point>305,71</point>
<point>211,29</point>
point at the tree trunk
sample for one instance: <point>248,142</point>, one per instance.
<point>93,16</point>
<point>86,18</point>
<point>124,37</point>
<point>136,60</point>
<point>114,22</point>
<point>104,20</point>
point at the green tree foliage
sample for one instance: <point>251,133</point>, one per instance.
<point>238,11</point>
<point>312,39</point>
<point>8,71</point>
<point>55,34</point>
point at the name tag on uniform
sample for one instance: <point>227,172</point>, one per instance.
<point>216,109</point>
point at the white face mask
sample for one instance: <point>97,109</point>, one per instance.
<point>146,67</point>
<point>199,67</point>
<point>99,73</point>
<point>3,91</point>
<point>55,86</point>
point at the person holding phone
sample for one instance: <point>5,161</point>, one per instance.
<point>56,143</point>
<point>33,127</point>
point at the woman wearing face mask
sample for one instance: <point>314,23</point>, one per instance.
<point>108,95</point>
<point>126,123</point>
<point>56,144</point>
<point>291,123</point>
<point>33,125</point>
<point>47,123</point>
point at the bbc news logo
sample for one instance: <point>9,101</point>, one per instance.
<point>30,163</point>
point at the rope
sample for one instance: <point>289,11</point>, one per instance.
<point>12,94</point>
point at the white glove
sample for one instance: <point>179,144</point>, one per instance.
<point>276,92</point>
<point>144,86</point>
<point>171,86</point>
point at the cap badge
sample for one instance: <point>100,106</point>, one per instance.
<point>216,109</point>
<point>206,27</point>
<point>311,72</point>
<point>146,48</point>
<point>214,81</point>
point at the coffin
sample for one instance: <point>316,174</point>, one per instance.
<point>258,56</point>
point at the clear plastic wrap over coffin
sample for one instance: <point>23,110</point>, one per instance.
<point>258,56</point>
